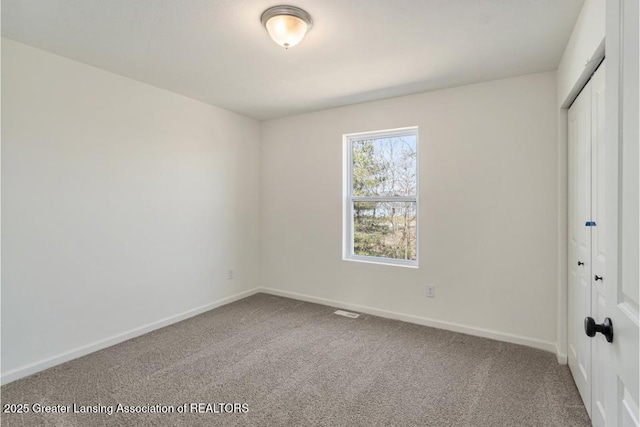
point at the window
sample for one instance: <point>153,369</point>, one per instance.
<point>381,197</point>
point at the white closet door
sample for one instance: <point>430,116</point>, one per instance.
<point>623,189</point>
<point>579,127</point>
<point>600,347</point>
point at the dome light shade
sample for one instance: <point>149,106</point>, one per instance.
<point>287,25</point>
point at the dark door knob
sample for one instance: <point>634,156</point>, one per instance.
<point>597,277</point>
<point>606,328</point>
<point>580,263</point>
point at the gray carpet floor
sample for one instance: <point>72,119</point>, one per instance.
<point>297,364</point>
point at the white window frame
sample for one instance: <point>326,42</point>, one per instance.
<point>349,199</point>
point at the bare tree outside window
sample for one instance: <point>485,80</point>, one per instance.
<point>383,195</point>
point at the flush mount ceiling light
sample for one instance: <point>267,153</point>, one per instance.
<point>287,25</point>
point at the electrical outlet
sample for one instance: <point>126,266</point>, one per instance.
<point>431,291</point>
<point>230,274</point>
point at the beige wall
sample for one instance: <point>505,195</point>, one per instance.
<point>587,35</point>
<point>124,205</point>
<point>488,237</point>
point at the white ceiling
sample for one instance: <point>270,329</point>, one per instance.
<point>358,50</point>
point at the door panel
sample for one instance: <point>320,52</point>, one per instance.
<point>599,363</point>
<point>580,241</point>
<point>600,347</point>
<point>622,198</point>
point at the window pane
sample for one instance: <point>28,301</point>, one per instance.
<point>385,229</point>
<point>384,166</point>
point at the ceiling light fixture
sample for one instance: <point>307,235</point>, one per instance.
<point>287,25</point>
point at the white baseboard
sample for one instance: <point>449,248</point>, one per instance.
<point>562,357</point>
<point>455,327</point>
<point>32,368</point>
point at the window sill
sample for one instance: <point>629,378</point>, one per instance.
<point>382,261</point>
